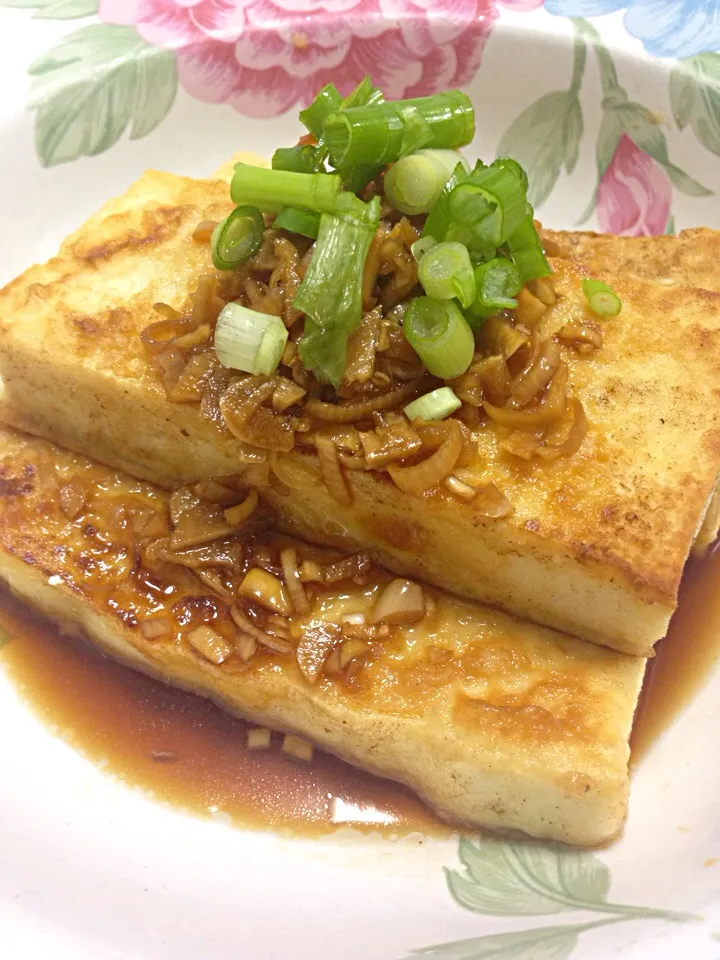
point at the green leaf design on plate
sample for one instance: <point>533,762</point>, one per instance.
<point>682,94</point>
<point>504,879</point>
<point>544,138</point>
<point>547,134</point>
<point>95,84</point>
<point>622,115</point>
<point>544,943</point>
<point>695,97</point>
<point>642,128</point>
<point>56,9</point>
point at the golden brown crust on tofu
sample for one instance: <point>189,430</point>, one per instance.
<point>596,542</point>
<point>691,258</point>
<point>493,721</point>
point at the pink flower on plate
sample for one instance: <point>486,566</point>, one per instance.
<point>176,23</point>
<point>265,56</point>
<point>634,195</point>
<point>521,6</point>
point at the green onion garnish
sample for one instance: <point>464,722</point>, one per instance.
<point>237,238</point>
<point>526,250</point>
<point>293,220</point>
<point>438,221</point>
<point>379,134</point>
<point>414,183</point>
<point>602,298</point>
<point>299,159</point>
<point>327,101</point>
<point>496,283</point>
<point>330,294</point>
<point>249,341</point>
<point>271,190</point>
<point>421,247</point>
<point>435,405</point>
<point>514,167</point>
<point>489,206</point>
<point>354,178</point>
<point>364,94</point>
<point>445,272</point>
<point>440,335</point>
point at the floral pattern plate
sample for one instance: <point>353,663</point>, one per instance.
<point>614,108</point>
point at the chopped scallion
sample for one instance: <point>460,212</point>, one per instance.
<point>602,298</point>
<point>272,189</point>
<point>378,134</point>
<point>440,335</point>
<point>364,94</point>
<point>490,204</point>
<point>414,183</point>
<point>435,405</point>
<point>526,250</point>
<point>327,101</point>
<point>237,238</point>
<point>249,341</point>
<point>421,247</point>
<point>354,178</point>
<point>330,294</point>
<point>293,220</point>
<point>514,167</point>
<point>445,272</point>
<point>438,221</point>
<point>496,283</point>
<point>299,159</point>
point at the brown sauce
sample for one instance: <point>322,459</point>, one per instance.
<point>685,657</point>
<point>186,751</point>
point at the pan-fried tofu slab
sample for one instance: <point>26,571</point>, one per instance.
<point>594,543</point>
<point>493,721</point>
<point>692,258</point>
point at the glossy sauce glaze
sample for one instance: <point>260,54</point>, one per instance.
<point>685,657</point>
<point>184,750</point>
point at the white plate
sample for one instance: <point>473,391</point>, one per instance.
<point>90,870</point>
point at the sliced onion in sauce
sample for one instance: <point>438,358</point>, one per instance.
<point>347,413</point>
<point>420,477</point>
<point>537,374</point>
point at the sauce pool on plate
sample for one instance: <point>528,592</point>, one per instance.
<point>184,750</point>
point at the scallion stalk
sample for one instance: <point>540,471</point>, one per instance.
<point>249,341</point>
<point>445,272</point>
<point>602,298</point>
<point>421,247</point>
<point>299,159</point>
<point>364,95</point>
<point>507,163</point>
<point>438,220</point>
<point>526,250</point>
<point>237,238</point>
<point>326,101</point>
<point>496,283</point>
<point>491,204</point>
<point>435,405</point>
<point>330,294</point>
<point>377,134</point>
<point>354,178</point>
<point>294,220</point>
<point>413,184</point>
<point>271,190</point>
<point>440,335</point>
